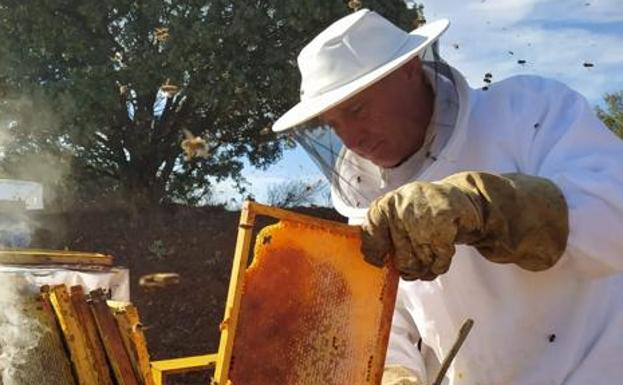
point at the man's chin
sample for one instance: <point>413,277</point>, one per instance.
<point>380,160</point>
<point>383,162</point>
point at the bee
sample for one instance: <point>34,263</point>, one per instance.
<point>169,89</point>
<point>194,146</point>
<point>552,337</point>
<point>355,5</point>
<point>161,34</point>
<point>159,280</point>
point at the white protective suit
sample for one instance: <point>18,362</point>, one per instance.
<point>560,326</point>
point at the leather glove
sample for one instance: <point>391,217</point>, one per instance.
<point>399,375</point>
<point>512,218</point>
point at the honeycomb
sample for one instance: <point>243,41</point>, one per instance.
<point>312,311</point>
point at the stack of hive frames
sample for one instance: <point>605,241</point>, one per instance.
<point>105,343</point>
<point>311,311</point>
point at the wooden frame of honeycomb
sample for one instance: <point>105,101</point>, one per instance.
<point>308,310</point>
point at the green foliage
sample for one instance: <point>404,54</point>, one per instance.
<point>613,115</point>
<point>69,70</point>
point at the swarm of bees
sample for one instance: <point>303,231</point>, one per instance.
<point>487,80</point>
<point>194,146</point>
<point>159,280</point>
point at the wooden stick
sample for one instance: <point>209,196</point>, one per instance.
<point>463,332</point>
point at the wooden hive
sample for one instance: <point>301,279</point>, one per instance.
<point>311,310</point>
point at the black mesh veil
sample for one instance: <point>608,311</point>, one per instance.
<point>351,176</point>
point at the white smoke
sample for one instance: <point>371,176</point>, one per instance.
<point>19,333</point>
<point>15,230</point>
<point>32,147</point>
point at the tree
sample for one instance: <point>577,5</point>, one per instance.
<point>106,91</point>
<point>613,115</point>
<point>294,193</point>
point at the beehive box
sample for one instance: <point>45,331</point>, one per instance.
<point>311,310</point>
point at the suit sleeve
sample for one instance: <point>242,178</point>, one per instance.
<point>570,146</point>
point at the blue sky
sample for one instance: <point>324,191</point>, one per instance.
<point>554,37</point>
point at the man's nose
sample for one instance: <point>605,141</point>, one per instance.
<point>352,133</point>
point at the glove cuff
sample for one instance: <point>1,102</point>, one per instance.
<point>525,218</point>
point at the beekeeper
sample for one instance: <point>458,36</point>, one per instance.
<point>504,205</point>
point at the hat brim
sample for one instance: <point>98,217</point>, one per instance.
<point>311,108</point>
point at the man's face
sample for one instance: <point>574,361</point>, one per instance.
<point>386,122</point>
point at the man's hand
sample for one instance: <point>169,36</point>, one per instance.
<point>513,218</point>
<point>420,222</point>
<point>399,375</point>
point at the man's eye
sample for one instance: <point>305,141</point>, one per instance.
<point>356,109</point>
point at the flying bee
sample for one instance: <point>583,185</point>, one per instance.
<point>161,34</point>
<point>170,89</point>
<point>159,280</point>
<point>194,146</point>
<point>266,131</point>
<point>355,5</point>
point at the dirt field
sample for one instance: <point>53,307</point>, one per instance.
<point>196,243</point>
